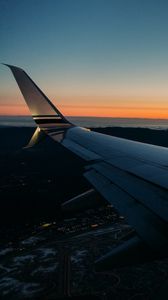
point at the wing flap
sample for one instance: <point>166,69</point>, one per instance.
<point>148,225</point>
<point>148,194</point>
<point>146,170</point>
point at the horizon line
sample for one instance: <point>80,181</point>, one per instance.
<point>92,117</point>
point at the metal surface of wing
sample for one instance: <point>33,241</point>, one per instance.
<point>133,176</point>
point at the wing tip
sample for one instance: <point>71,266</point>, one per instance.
<point>12,67</point>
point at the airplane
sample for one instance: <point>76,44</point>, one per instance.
<point>130,175</point>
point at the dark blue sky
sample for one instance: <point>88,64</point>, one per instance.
<point>75,48</point>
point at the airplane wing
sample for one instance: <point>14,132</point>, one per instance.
<point>132,176</point>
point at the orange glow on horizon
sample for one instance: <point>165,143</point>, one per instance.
<point>94,106</point>
<point>14,110</point>
<point>113,112</point>
<point>97,111</point>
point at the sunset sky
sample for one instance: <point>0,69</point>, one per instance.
<point>90,57</point>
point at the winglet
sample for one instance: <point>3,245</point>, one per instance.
<point>44,113</point>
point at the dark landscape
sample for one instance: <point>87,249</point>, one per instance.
<point>39,242</point>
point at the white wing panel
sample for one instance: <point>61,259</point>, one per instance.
<point>109,146</point>
<point>143,160</point>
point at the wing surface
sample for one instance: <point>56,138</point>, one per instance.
<point>133,176</point>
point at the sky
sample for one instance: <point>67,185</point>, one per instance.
<point>106,58</point>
